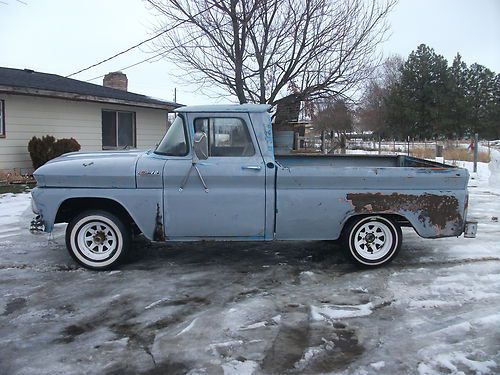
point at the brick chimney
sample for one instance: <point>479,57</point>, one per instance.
<point>116,80</point>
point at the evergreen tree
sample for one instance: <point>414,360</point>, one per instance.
<point>494,128</point>
<point>481,99</point>
<point>424,98</point>
<point>457,123</point>
<point>424,88</point>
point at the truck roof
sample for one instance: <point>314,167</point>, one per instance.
<point>225,108</point>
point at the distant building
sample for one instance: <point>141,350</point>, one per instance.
<point>99,117</point>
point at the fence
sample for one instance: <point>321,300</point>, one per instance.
<point>447,149</point>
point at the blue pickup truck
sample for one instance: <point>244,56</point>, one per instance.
<point>214,176</point>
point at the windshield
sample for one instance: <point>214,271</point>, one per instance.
<point>174,142</point>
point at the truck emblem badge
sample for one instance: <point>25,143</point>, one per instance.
<point>146,172</point>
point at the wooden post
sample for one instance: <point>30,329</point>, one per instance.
<point>297,141</point>
<point>379,145</point>
<point>323,146</point>
<point>476,146</point>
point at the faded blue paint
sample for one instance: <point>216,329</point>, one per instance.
<point>295,197</point>
<point>225,108</point>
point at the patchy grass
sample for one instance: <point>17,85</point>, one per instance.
<point>423,153</point>
<point>16,188</point>
<point>463,154</point>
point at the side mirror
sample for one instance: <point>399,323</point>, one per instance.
<point>200,145</point>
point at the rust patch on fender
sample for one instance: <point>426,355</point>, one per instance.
<point>159,234</point>
<point>437,210</point>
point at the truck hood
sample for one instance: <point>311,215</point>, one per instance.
<point>110,169</point>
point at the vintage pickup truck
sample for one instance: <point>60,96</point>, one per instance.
<point>214,176</point>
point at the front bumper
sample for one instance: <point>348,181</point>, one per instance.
<point>470,229</point>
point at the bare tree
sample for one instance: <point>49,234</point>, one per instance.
<point>262,50</point>
<point>373,110</point>
<point>333,116</point>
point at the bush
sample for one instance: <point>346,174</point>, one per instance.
<point>65,145</point>
<point>46,148</point>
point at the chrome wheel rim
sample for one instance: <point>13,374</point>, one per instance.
<point>373,240</point>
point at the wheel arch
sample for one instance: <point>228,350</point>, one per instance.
<point>396,218</point>
<point>72,207</point>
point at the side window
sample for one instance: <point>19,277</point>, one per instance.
<point>118,129</point>
<point>226,136</point>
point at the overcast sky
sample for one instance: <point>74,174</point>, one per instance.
<point>63,36</point>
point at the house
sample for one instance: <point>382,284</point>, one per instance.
<point>99,117</point>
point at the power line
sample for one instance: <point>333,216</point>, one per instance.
<point>120,53</point>
<point>19,1</point>
<point>138,44</point>
<point>156,55</point>
<point>131,66</point>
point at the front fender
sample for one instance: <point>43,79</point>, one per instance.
<point>145,206</point>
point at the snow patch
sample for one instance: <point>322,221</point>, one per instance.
<point>156,303</point>
<point>450,361</point>
<point>276,319</point>
<point>494,167</point>
<point>213,347</point>
<point>378,365</point>
<point>254,325</point>
<point>235,367</point>
<point>12,207</point>
<point>313,352</point>
<point>188,328</point>
<point>340,311</point>
<point>430,304</point>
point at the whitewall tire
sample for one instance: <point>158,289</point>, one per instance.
<point>372,240</point>
<point>97,240</point>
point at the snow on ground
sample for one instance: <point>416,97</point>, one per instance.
<point>11,208</point>
<point>253,308</point>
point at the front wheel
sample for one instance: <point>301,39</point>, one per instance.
<point>97,240</point>
<point>373,240</point>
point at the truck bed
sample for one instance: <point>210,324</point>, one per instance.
<point>326,190</point>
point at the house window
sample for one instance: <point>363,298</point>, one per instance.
<point>226,136</point>
<point>118,130</point>
<point>2,118</point>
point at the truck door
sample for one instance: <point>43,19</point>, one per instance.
<point>233,205</point>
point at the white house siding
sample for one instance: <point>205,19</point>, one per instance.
<point>151,125</point>
<point>28,116</point>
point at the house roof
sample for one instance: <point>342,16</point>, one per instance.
<point>225,108</point>
<point>29,82</point>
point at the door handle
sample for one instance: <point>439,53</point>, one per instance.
<point>252,167</point>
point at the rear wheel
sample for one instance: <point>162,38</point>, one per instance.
<point>97,240</point>
<point>373,240</point>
